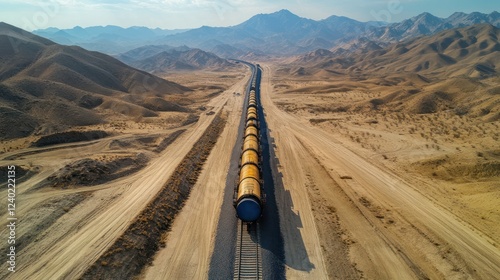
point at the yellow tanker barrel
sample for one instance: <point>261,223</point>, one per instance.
<point>251,130</point>
<point>251,143</point>
<point>252,116</point>
<point>249,171</point>
<point>252,122</point>
<point>249,186</point>
<point>251,110</point>
<point>249,157</point>
<point>250,138</point>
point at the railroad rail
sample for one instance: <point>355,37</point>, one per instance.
<point>248,261</point>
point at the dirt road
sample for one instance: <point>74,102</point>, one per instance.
<point>69,255</point>
<point>393,231</point>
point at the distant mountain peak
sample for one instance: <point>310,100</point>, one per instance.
<point>281,14</point>
<point>284,12</point>
<point>427,17</point>
<point>426,14</point>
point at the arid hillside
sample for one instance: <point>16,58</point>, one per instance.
<point>46,87</point>
<point>454,70</point>
<point>470,51</point>
<point>179,59</point>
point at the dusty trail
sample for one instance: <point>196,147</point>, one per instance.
<point>303,254</point>
<point>191,239</point>
<point>70,256</point>
<point>386,252</point>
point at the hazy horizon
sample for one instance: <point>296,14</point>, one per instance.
<point>186,14</point>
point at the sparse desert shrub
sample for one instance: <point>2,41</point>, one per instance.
<point>376,102</point>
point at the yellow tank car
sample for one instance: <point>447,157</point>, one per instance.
<point>249,203</point>
<point>251,142</point>
<point>249,186</point>
<point>251,130</point>
<point>252,122</point>
<point>249,171</point>
<point>252,110</point>
<point>249,157</point>
<point>252,105</point>
<point>251,116</point>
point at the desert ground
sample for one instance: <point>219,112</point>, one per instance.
<point>70,212</point>
<point>402,195</point>
<point>379,193</point>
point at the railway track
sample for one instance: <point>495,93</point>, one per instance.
<point>248,196</point>
<point>248,261</point>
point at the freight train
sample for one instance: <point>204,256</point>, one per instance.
<point>248,195</point>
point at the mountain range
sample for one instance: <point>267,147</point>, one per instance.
<point>45,86</point>
<point>108,39</point>
<point>278,34</point>
<point>471,51</point>
<point>455,70</point>
<point>427,24</point>
<point>163,58</point>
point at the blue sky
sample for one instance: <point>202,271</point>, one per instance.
<point>174,14</point>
